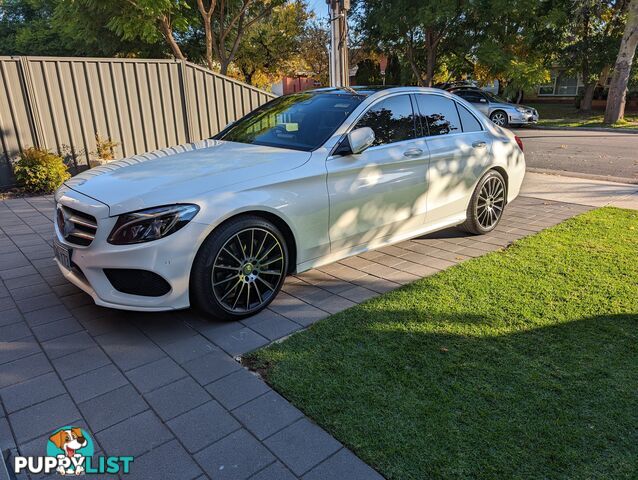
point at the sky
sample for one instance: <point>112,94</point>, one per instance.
<point>320,7</point>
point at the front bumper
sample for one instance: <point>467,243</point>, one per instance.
<point>170,257</point>
<point>523,118</point>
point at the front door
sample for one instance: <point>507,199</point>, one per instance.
<point>380,192</point>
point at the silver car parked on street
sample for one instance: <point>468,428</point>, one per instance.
<point>497,109</point>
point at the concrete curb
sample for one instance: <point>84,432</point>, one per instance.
<point>583,129</point>
<point>587,176</point>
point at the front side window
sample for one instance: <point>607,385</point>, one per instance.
<point>391,119</point>
<point>301,121</point>
<point>472,97</point>
<point>438,114</point>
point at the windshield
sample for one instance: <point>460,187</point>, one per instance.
<point>303,121</point>
<point>495,98</point>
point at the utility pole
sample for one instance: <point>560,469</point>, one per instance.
<point>339,73</point>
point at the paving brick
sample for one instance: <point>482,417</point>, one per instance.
<point>267,414</point>
<point>27,305</point>
<point>14,331</point>
<point>237,388</point>
<point>302,445</point>
<point>129,348</point>
<point>30,392</point>
<point>358,294</point>
<point>276,471</point>
<point>16,349</point>
<point>112,407</point>
<point>235,457</point>
<point>13,260</point>
<point>211,367</point>
<point>135,436</point>
<point>168,461</point>
<point>61,346</point>
<point>271,325</point>
<point>165,330</point>
<point>24,369</point>
<point>95,383</point>
<point>43,418</point>
<point>46,315</point>
<point>155,374</point>
<point>177,398</point>
<point>203,425</point>
<point>9,273</point>
<point>343,464</point>
<point>188,349</point>
<point>29,291</point>
<point>80,362</point>
<point>6,437</point>
<point>241,341</point>
<point>57,328</point>
<point>9,316</point>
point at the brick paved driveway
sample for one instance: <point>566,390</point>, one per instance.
<point>166,387</point>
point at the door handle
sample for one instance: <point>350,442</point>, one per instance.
<point>479,144</point>
<point>413,152</point>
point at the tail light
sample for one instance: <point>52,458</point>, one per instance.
<point>519,142</point>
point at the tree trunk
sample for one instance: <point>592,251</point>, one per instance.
<point>167,31</point>
<point>223,66</point>
<point>431,60</point>
<point>618,88</point>
<point>208,30</point>
<point>588,97</point>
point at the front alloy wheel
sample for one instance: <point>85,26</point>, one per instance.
<point>499,118</point>
<point>239,269</point>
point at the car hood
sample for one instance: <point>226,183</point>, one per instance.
<point>177,174</point>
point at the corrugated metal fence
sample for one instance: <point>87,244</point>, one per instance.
<point>143,105</point>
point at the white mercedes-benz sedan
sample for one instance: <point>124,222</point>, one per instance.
<point>302,181</point>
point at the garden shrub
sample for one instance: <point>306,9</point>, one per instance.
<point>40,171</point>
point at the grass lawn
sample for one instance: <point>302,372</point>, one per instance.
<point>568,116</point>
<point>522,364</point>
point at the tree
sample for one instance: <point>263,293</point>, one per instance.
<point>418,30</point>
<point>225,23</point>
<point>272,47</point>
<point>393,71</point>
<point>314,50</point>
<point>593,29</point>
<point>618,88</point>
<point>147,21</point>
<point>368,72</point>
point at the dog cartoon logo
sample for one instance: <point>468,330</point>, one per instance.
<point>71,445</point>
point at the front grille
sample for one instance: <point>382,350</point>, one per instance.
<point>76,227</point>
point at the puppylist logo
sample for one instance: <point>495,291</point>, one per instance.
<point>70,452</point>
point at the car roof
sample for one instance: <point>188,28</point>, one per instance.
<point>367,91</point>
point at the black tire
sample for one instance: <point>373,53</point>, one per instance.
<point>485,211</point>
<point>232,255</point>
<point>499,117</point>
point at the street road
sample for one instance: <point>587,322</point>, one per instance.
<point>605,155</point>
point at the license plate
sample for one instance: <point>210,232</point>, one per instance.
<point>62,254</point>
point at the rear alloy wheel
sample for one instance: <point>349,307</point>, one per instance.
<point>499,117</point>
<point>487,204</point>
<point>239,269</point>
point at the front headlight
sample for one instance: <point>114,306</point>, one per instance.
<point>522,109</point>
<point>151,224</point>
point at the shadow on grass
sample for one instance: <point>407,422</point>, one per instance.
<point>420,395</point>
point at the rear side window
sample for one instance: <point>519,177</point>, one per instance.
<point>438,115</point>
<point>391,119</point>
<point>468,121</point>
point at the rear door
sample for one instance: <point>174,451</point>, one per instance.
<point>380,192</point>
<point>459,149</point>
<point>477,99</point>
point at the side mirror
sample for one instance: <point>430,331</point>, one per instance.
<point>360,139</point>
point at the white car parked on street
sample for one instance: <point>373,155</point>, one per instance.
<point>302,181</point>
